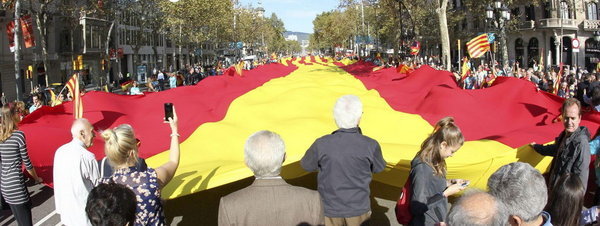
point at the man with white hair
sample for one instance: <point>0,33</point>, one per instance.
<point>346,160</point>
<point>522,190</point>
<point>75,174</point>
<point>269,200</point>
<point>477,208</point>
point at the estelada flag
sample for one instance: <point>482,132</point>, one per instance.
<point>73,86</point>
<point>478,46</point>
<point>415,48</point>
<point>466,68</point>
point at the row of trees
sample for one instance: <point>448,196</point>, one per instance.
<point>394,24</point>
<point>188,24</point>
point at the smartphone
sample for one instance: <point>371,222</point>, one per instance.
<point>168,111</point>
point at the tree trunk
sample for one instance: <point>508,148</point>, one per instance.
<point>444,37</point>
<point>41,19</point>
<point>106,52</point>
<point>155,47</point>
<point>17,37</point>
<point>136,51</point>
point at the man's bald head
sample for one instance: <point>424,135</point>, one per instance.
<point>83,130</point>
<point>477,208</point>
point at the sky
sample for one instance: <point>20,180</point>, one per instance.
<point>297,15</point>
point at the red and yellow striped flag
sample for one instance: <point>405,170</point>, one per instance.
<point>239,68</point>
<point>478,46</point>
<point>556,85</point>
<point>73,86</point>
<point>466,68</point>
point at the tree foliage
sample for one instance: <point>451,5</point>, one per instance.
<point>393,24</point>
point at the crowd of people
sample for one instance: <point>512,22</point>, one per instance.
<point>120,189</point>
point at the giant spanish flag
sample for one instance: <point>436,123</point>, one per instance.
<point>295,99</point>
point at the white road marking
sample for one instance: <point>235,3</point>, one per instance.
<point>50,215</point>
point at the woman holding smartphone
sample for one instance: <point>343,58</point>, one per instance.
<point>430,189</point>
<point>122,150</point>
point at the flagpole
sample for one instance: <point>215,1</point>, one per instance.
<point>459,57</point>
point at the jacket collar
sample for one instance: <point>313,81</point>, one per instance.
<point>269,182</point>
<point>349,130</point>
<point>581,131</point>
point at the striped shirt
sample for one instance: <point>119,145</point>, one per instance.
<point>13,152</point>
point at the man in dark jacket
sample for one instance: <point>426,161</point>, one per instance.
<point>571,150</point>
<point>345,160</point>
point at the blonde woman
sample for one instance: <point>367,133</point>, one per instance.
<point>430,189</point>
<point>13,150</point>
<point>122,150</point>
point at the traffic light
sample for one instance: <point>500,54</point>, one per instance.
<point>78,63</point>
<point>29,72</point>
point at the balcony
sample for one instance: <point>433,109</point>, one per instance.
<point>567,24</point>
<point>526,25</point>
<point>591,25</point>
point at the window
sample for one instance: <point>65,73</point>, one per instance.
<point>592,11</point>
<point>547,10</point>
<point>530,12</point>
<point>564,10</point>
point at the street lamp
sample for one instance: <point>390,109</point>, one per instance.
<point>597,36</point>
<point>497,17</point>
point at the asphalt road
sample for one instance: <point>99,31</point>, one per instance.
<point>202,208</point>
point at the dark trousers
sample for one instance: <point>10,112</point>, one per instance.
<point>22,213</point>
<point>161,84</point>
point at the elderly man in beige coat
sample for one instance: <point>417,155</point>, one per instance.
<point>269,200</point>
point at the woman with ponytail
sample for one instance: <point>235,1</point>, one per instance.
<point>430,189</point>
<point>122,150</point>
<point>13,149</point>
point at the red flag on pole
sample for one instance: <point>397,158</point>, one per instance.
<point>73,86</point>
<point>10,31</point>
<point>27,28</point>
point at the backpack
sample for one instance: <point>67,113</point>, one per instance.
<point>402,209</point>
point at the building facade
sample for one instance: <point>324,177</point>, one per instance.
<point>103,60</point>
<point>547,32</point>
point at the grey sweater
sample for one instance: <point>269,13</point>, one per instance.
<point>345,160</point>
<point>427,203</point>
